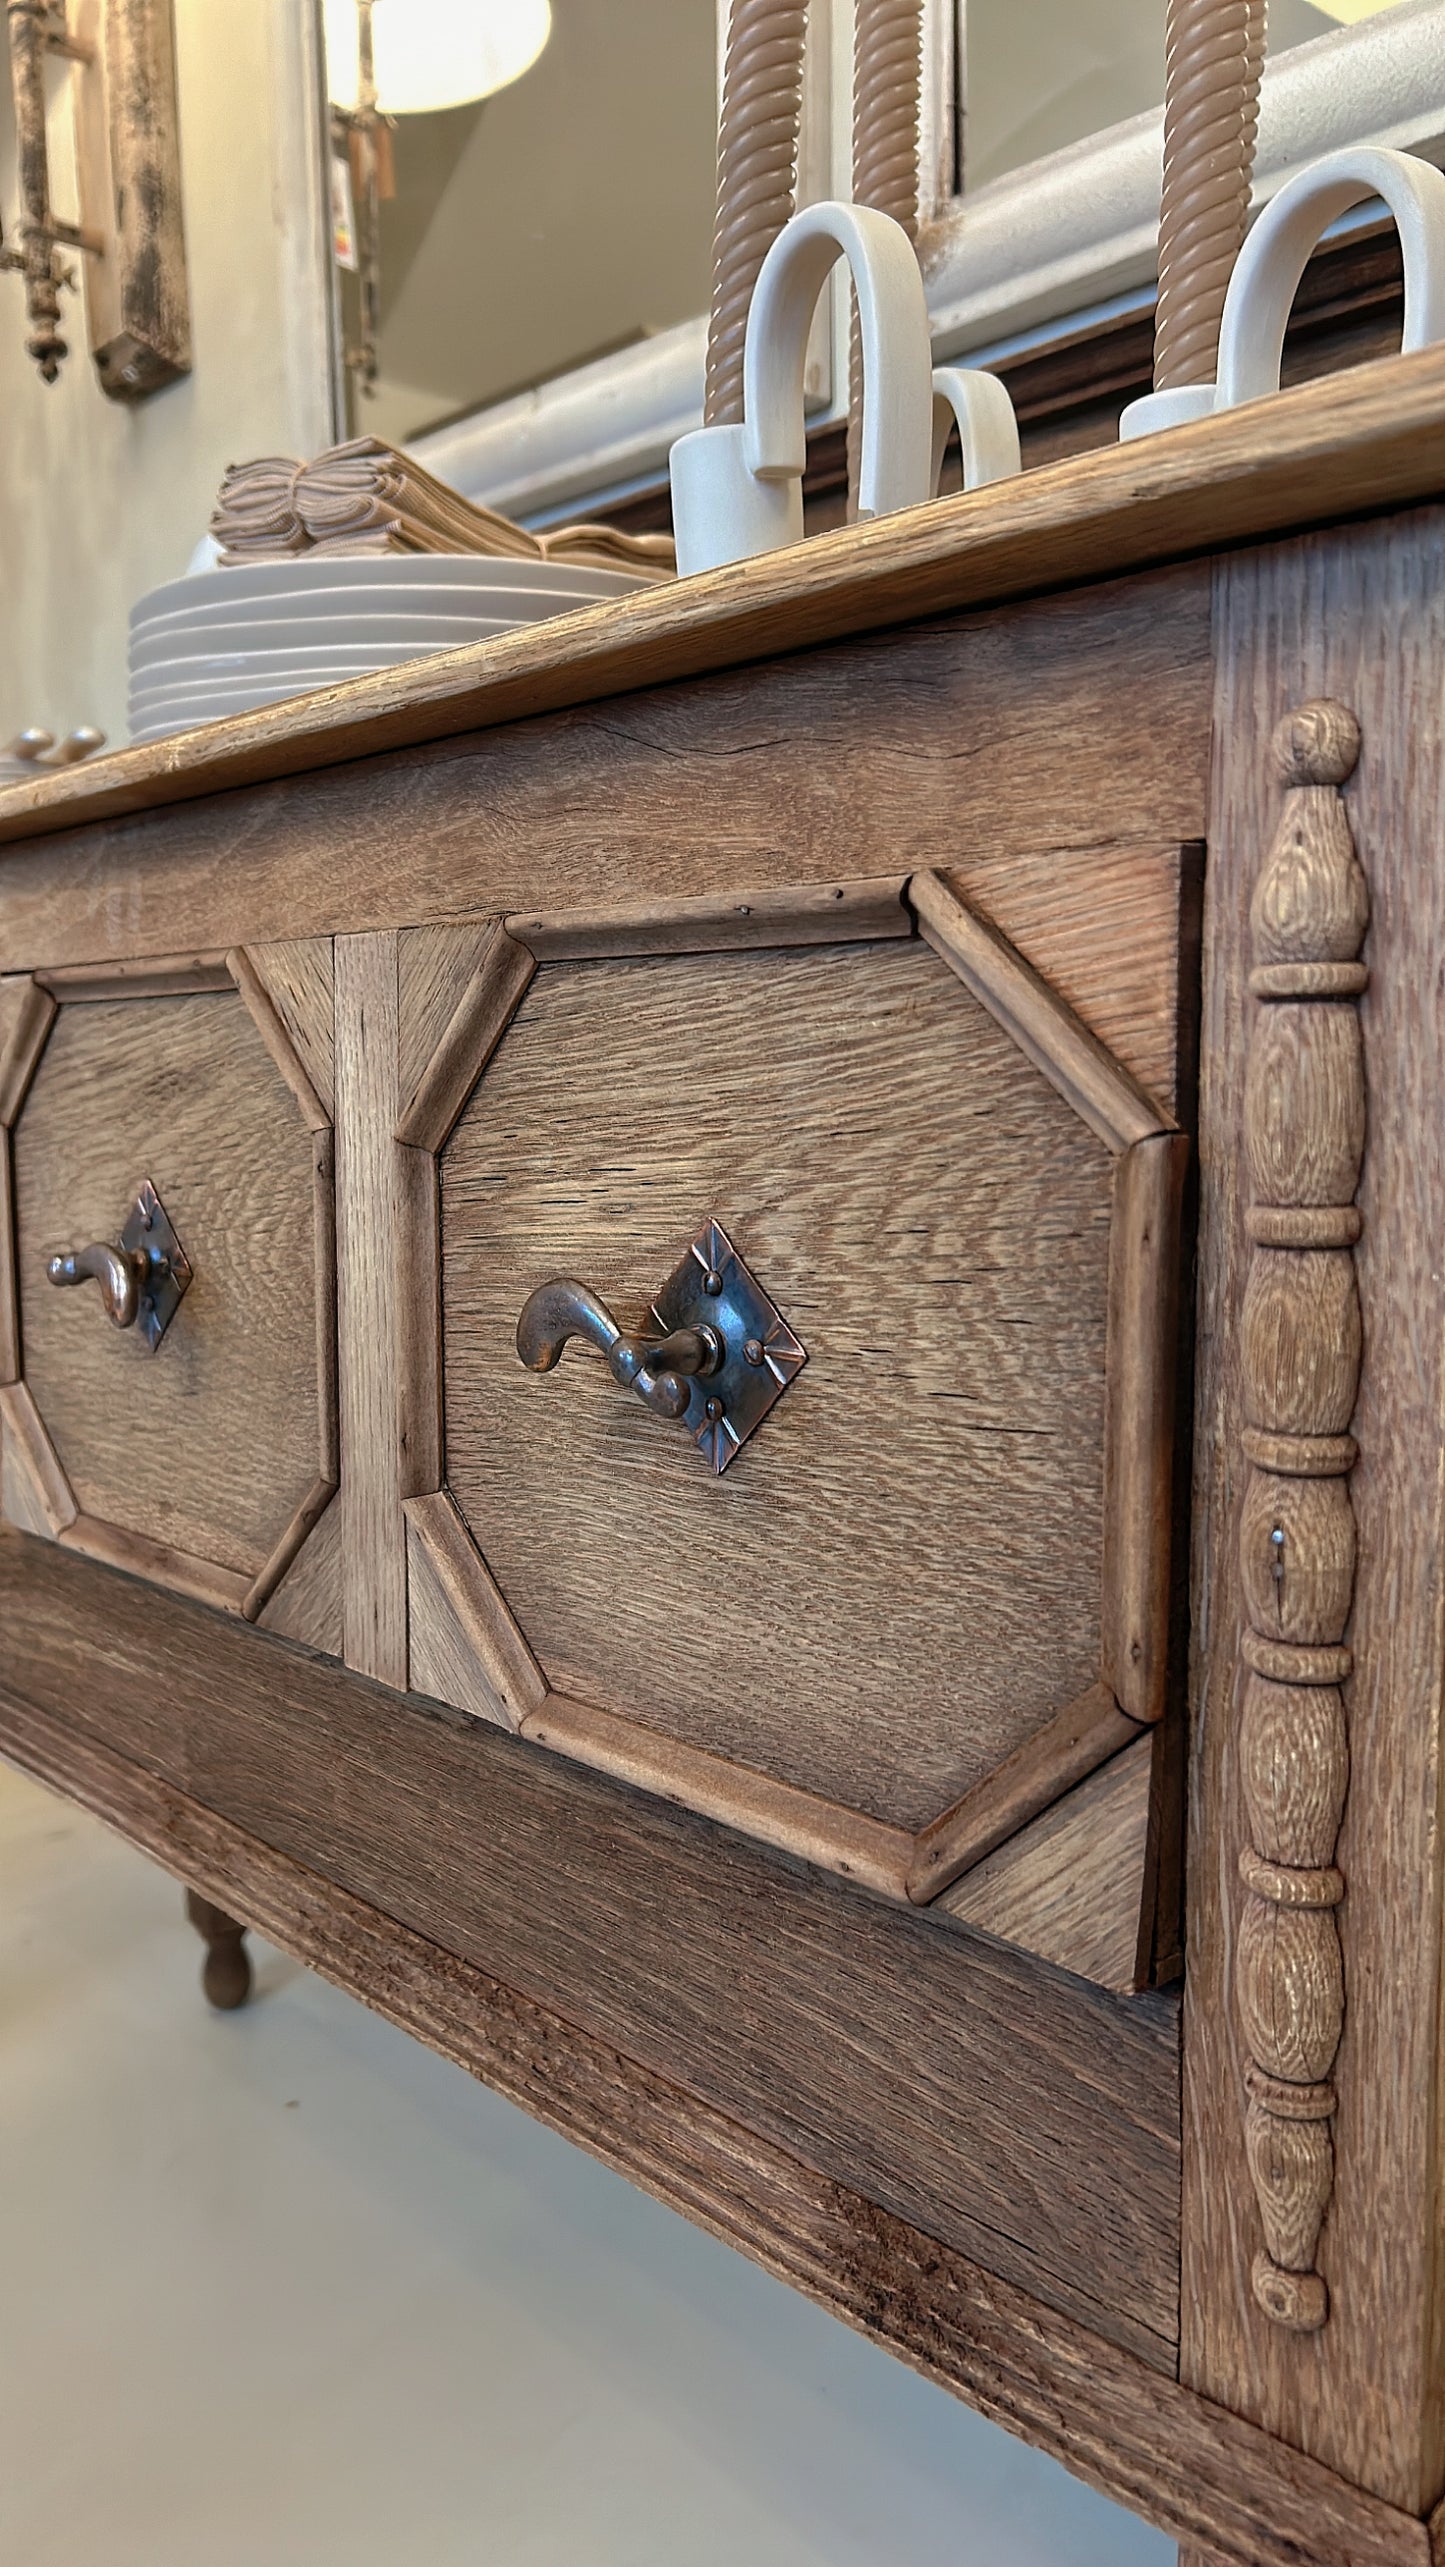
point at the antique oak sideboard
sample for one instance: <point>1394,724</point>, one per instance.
<point>918,1737</point>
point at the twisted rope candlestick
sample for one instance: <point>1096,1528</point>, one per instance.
<point>1213,60</point>
<point>887,70</point>
<point>756,175</point>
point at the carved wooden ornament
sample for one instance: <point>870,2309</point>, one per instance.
<point>1304,1141</point>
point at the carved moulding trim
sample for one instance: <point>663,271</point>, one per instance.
<point>35,1493</point>
<point>466,1646</point>
<point>1304,1128</point>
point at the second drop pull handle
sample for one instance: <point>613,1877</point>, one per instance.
<point>721,1356</point>
<point>118,1275</point>
<point>143,1275</point>
<point>659,1369</point>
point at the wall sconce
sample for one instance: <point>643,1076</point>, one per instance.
<point>390,58</point>
<point>127,153</point>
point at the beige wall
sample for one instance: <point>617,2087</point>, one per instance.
<point>100,501</point>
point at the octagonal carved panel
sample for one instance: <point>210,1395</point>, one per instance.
<point>930,1595</point>
<point>206,1459</point>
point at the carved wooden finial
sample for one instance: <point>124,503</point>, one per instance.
<point>1318,743</point>
<point>1305,1139</point>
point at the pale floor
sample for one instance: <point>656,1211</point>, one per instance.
<point>280,2289</point>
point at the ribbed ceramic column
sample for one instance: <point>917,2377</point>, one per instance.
<point>1214,54</point>
<point>887,72</point>
<point>757,162</point>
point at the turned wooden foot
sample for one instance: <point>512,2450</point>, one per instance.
<point>226,1970</point>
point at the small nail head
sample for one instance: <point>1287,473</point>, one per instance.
<point>712,1281</point>
<point>714,1409</point>
<point>753,1351</point>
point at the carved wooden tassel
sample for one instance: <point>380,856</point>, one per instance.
<point>1305,1139</point>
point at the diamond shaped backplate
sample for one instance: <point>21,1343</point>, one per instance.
<point>713,1288</point>
<point>148,1234</point>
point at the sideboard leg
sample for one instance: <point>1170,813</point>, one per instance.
<point>226,1970</point>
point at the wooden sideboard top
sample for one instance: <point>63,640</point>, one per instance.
<point>1358,442</point>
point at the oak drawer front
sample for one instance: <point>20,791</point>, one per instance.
<point>925,1596</point>
<point>169,1153</point>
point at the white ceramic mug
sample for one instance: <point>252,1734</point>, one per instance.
<point>738,490</point>
<point>1268,270</point>
<point>988,432</point>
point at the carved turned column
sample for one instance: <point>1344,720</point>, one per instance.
<point>1304,1140</point>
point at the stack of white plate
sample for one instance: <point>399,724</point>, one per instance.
<point>229,641</point>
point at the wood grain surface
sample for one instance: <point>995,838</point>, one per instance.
<point>478,1022</point>
<point>119,1546</point>
<point>1379,440</point>
<point>137,302</point>
<point>9,1282</point>
<point>1188,2465</point>
<point>928,2067</point>
<point>208,1445</point>
<point>1073,1060</point>
<point>434,968</point>
<point>1118,940</point>
<point>36,1487</point>
<point>726,922</point>
<point>368,1333</point>
<point>1144,1292</point>
<point>307,1604</point>
<point>297,976</point>
<point>1358,615</point>
<point>23,1498</point>
<point>1061,727</point>
<point>269,1024</point>
<point>505,1671</point>
<point>418,1322</point>
<point>1070,1886</point>
<point>27,1012</point>
<point>933,1222</point>
<point>1080,1738</point>
<point>443,1660</point>
<point>816,1831</point>
<point>157,976</point>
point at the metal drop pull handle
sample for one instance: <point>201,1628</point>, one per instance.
<point>722,1355</point>
<point>142,1277</point>
<point>660,1369</point>
<point>118,1275</point>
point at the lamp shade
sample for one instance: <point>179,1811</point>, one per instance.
<point>434,53</point>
